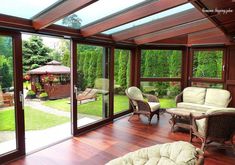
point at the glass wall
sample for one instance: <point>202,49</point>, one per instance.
<point>92,84</point>
<point>121,79</point>
<point>7,109</point>
<point>161,63</point>
<point>165,91</point>
<point>161,74</point>
<point>208,64</point>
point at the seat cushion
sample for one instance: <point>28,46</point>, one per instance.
<point>217,97</point>
<point>176,153</point>
<point>154,106</point>
<point>192,106</point>
<point>194,95</point>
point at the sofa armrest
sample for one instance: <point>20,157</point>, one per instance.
<point>151,98</point>
<point>179,98</point>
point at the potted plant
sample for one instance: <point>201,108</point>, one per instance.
<point>31,94</point>
<point>43,96</point>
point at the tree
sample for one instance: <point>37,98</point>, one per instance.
<point>35,53</point>
<point>5,76</point>
<point>99,68</point>
<point>72,21</point>
<point>92,69</point>
<point>122,70</point>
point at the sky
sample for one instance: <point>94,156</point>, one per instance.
<point>51,42</point>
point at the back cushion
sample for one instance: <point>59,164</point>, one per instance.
<point>217,97</point>
<point>135,93</point>
<point>194,95</point>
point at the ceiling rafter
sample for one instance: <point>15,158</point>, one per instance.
<point>139,12</point>
<point>199,5</point>
<point>187,28</point>
<point>159,24</point>
<point>59,11</point>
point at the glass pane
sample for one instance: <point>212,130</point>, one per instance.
<point>24,8</point>
<point>7,110</point>
<point>96,11</point>
<point>46,67</point>
<point>92,84</point>
<point>161,63</point>
<point>121,79</point>
<point>208,64</point>
<point>150,18</point>
<point>207,85</point>
<point>166,92</point>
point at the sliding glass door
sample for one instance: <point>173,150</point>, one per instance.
<point>11,113</point>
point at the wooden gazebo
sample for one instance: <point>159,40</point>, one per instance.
<point>52,78</point>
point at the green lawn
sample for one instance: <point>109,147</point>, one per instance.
<point>121,103</point>
<point>34,120</point>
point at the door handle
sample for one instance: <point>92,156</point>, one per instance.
<point>21,95</point>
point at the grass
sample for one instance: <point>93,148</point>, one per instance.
<point>34,119</point>
<point>121,103</point>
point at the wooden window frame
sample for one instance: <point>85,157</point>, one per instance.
<point>207,80</point>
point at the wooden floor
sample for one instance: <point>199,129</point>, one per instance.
<point>116,139</point>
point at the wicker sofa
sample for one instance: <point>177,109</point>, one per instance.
<point>176,153</point>
<point>203,99</point>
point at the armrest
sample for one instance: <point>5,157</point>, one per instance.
<point>151,98</point>
<point>179,98</point>
<point>142,105</point>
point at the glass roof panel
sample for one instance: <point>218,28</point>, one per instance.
<point>96,11</point>
<point>24,8</point>
<point>150,18</point>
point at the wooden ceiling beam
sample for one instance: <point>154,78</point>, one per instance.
<point>187,28</point>
<point>200,6</point>
<point>58,12</point>
<point>159,24</point>
<point>139,12</point>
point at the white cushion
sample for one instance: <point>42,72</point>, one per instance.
<point>176,153</point>
<point>154,106</point>
<point>192,106</point>
<point>217,97</point>
<point>135,93</point>
<point>194,95</point>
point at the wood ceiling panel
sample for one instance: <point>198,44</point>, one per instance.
<point>131,15</point>
<point>58,12</point>
<point>175,31</point>
<point>160,24</point>
<point>219,4</point>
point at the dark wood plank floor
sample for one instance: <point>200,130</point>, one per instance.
<point>116,139</point>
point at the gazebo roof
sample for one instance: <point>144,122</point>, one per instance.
<point>53,67</point>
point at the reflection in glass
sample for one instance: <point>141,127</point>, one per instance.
<point>165,91</point>
<point>208,64</point>
<point>92,84</point>
<point>24,8</point>
<point>7,110</point>
<point>98,10</point>
<point>161,63</point>
<point>121,79</point>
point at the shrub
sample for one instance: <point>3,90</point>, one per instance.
<point>31,93</point>
<point>43,94</point>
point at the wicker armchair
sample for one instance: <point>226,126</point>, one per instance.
<point>140,106</point>
<point>216,126</point>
